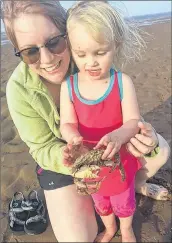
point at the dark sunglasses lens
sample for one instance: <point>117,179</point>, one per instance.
<point>30,55</point>
<point>57,45</point>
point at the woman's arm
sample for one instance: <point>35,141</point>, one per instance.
<point>68,118</point>
<point>163,153</point>
<point>44,146</point>
<point>146,141</point>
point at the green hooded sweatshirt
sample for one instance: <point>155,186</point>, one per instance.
<point>36,118</point>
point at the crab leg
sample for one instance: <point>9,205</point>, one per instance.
<point>122,172</point>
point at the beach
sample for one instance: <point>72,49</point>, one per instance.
<point>152,80</point>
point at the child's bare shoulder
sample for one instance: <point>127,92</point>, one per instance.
<point>126,78</point>
<point>126,81</point>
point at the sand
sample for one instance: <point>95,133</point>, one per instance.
<point>152,79</point>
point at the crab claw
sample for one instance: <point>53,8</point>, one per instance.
<point>109,163</point>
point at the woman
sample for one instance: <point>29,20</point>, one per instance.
<point>37,31</point>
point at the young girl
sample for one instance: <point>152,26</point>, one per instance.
<point>99,104</point>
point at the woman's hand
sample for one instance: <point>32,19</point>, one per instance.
<point>112,144</point>
<point>143,143</point>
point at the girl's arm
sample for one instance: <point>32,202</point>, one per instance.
<point>68,118</point>
<point>130,111</point>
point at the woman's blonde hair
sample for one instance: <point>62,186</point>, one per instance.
<point>12,9</point>
<point>106,24</point>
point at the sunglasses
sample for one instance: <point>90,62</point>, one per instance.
<point>56,46</point>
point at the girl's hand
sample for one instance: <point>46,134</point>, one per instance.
<point>144,142</point>
<point>112,142</point>
<point>76,140</point>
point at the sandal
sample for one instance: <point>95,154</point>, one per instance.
<point>16,215</point>
<point>36,222</point>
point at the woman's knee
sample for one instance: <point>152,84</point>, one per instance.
<point>76,231</point>
<point>80,235</point>
<point>167,152</point>
<point>72,215</point>
<point>164,146</point>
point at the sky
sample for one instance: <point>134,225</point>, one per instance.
<point>134,8</point>
<point>131,8</point>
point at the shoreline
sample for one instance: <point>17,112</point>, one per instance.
<point>141,23</point>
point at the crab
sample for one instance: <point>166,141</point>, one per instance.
<point>88,165</point>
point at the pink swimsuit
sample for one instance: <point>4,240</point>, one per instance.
<point>96,118</point>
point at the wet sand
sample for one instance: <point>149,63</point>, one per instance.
<point>152,79</point>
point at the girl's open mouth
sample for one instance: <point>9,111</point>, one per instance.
<point>94,73</point>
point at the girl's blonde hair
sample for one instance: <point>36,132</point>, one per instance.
<point>106,24</point>
<point>12,9</point>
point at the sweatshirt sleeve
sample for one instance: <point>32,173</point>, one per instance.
<point>44,146</point>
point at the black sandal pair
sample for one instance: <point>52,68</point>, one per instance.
<point>27,216</point>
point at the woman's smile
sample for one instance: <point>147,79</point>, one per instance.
<point>53,69</point>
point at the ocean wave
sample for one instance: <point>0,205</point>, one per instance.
<point>151,22</point>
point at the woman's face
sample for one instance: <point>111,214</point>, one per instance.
<point>35,30</point>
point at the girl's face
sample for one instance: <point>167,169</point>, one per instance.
<point>35,31</point>
<point>92,58</point>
